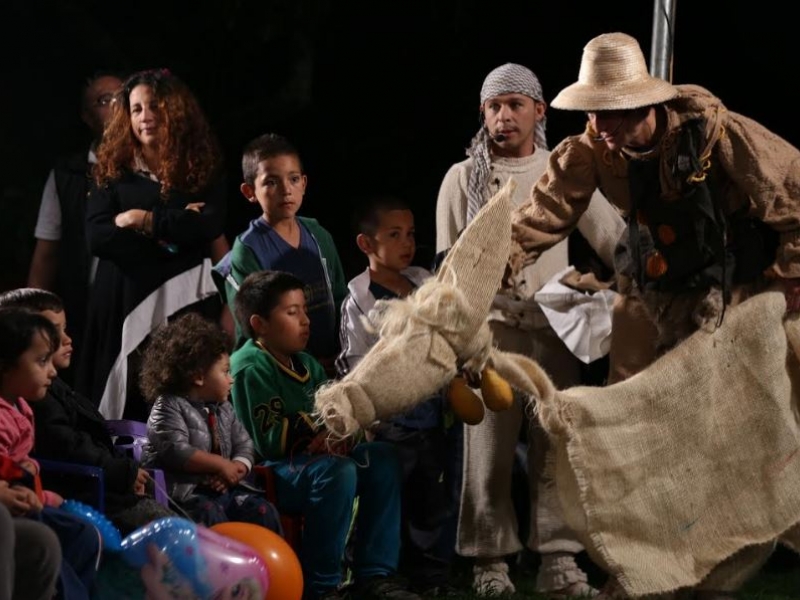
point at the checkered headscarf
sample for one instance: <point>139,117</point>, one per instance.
<point>509,78</point>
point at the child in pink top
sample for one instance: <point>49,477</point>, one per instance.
<point>25,372</point>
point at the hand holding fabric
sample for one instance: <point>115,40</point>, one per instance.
<point>791,288</point>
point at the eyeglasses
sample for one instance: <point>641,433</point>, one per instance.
<point>104,100</point>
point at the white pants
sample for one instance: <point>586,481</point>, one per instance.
<point>487,524</point>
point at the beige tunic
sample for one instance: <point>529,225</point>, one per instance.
<point>487,520</point>
<point>754,169</point>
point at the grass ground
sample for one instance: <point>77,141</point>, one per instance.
<point>778,580</point>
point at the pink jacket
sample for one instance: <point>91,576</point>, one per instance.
<point>16,436</point>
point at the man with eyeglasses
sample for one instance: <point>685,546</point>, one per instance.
<point>61,262</point>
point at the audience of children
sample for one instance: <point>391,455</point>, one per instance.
<point>70,428</point>
<point>274,383</point>
<point>279,240</point>
<point>193,432</point>
<point>27,343</point>
<point>385,234</point>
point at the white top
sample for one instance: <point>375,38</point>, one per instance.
<point>48,224</point>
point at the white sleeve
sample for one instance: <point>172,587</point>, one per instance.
<point>602,227</point>
<point>48,225</point>
<point>451,208</point>
<point>354,339</point>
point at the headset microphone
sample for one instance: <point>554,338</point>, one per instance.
<point>602,138</point>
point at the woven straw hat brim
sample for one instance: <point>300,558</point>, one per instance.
<point>613,76</point>
<point>628,95</point>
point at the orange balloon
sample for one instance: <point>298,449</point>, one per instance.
<point>285,573</point>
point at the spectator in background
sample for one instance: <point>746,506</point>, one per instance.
<point>61,261</point>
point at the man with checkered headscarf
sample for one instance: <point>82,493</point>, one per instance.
<point>511,143</point>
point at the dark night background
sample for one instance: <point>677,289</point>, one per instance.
<point>379,97</point>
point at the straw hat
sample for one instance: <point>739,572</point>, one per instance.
<point>613,76</point>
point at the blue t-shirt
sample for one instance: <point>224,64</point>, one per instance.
<point>305,263</point>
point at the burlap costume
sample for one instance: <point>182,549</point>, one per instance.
<point>427,336</point>
<point>701,176</point>
<point>755,169</point>
<point>692,460</point>
<point>664,476</point>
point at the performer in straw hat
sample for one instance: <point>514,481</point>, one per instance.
<point>711,200</point>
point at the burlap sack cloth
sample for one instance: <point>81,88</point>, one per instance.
<point>662,476</point>
<point>665,475</point>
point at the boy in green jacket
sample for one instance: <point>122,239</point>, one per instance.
<point>279,240</point>
<point>273,395</point>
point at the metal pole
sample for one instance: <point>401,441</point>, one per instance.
<point>663,37</point>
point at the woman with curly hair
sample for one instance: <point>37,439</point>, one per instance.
<point>156,207</point>
<point>193,432</point>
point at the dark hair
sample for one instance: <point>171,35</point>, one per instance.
<point>100,73</point>
<point>32,299</point>
<point>261,292</point>
<point>178,352</point>
<point>89,81</point>
<point>367,216</point>
<point>18,326</point>
<point>261,148</point>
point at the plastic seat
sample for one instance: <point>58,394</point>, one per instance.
<point>51,471</point>
<point>131,437</point>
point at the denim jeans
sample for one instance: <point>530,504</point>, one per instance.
<point>323,488</point>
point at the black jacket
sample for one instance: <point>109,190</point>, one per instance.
<point>69,428</point>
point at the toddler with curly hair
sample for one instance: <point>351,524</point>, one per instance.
<point>193,432</point>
